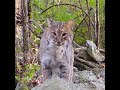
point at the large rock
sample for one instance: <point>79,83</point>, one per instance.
<point>88,76</point>
<point>94,52</point>
<point>21,86</point>
<point>55,83</point>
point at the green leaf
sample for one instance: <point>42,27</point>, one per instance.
<point>38,30</point>
<point>17,78</point>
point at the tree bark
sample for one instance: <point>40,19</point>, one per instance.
<point>89,21</point>
<point>29,25</point>
<point>97,24</point>
<point>25,32</point>
<point>95,35</point>
<point>18,29</point>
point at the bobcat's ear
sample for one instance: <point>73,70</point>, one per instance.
<point>49,22</point>
<point>70,24</point>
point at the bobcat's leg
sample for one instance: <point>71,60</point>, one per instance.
<point>46,69</point>
<point>71,70</point>
<point>64,72</point>
<point>47,73</point>
<point>71,73</point>
<point>56,71</point>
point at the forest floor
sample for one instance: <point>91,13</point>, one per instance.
<point>89,72</point>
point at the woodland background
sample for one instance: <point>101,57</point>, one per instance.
<point>31,16</point>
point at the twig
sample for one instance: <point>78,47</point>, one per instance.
<point>80,23</point>
<point>77,50</point>
<point>76,45</point>
<point>78,16</point>
<point>84,13</point>
<point>40,25</point>
<point>31,29</point>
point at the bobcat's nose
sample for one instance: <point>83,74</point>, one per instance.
<point>59,43</point>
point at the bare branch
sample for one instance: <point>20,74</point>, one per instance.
<point>80,23</point>
<point>78,16</point>
<point>76,45</point>
<point>84,13</point>
<point>62,5</point>
<point>31,29</point>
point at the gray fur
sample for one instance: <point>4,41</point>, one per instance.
<point>56,59</point>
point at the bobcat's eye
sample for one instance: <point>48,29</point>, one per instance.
<point>64,34</point>
<point>54,33</point>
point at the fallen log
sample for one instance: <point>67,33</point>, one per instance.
<point>101,50</point>
<point>82,53</point>
<point>88,63</point>
<point>81,66</point>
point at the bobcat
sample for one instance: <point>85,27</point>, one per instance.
<point>56,51</point>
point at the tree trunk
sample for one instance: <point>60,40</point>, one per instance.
<point>95,35</point>
<point>89,21</point>
<point>29,25</point>
<point>18,41</point>
<point>97,24</point>
<point>25,32</point>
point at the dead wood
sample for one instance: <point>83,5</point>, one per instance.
<point>81,66</point>
<point>101,50</point>
<point>88,63</point>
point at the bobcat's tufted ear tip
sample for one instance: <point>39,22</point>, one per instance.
<point>49,22</point>
<point>71,24</point>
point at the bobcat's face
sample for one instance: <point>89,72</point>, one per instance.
<point>59,37</point>
<point>60,33</point>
